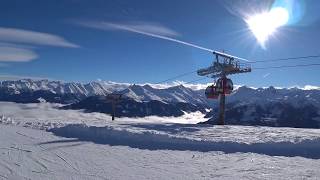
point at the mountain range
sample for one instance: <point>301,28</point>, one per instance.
<point>80,91</point>
<point>270,106</point>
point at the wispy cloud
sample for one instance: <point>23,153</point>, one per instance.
<point>23,46</point>
<point>33,38</point>
<point>177,83</point>
<point>137,27</point>
<point>266,75</point>
<point>17,45</point>
<point>11,77</point>
<point>14,54</point>
<point>308,87</point>
<point>147,29</point>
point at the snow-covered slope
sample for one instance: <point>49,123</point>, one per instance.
<point>39,155</point>
<point>77,145</point>
<point>47,115</point>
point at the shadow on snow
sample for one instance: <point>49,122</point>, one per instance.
<point>171,128</point>
<point>152,141</point>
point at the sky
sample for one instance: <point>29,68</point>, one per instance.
<point>90,40</point>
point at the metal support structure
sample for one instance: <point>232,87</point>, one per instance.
<point>114,99</point>
<point>113,104</point>
<point>222,109</point>
<point>228,65</point>
<point>222,98</point>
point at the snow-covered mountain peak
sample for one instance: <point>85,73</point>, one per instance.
<point>147,86</point>
<point>171,94</point>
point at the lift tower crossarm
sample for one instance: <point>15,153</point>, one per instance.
<point>225,63</point>
<point>225,55</point>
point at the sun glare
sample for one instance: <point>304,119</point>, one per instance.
<point>265,24</point>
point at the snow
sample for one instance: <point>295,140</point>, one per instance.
<point>35,113</point>
<point>34,154</point>
<point>39,141</point>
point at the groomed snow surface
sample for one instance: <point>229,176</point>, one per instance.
<point>39,141</point>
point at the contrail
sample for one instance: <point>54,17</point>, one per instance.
<point>126,28</point>
<point>122,27</point>
<point>108,26</point>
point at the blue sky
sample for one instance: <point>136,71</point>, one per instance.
<point>80,40</point>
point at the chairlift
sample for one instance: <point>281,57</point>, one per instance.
<point>222,86</point>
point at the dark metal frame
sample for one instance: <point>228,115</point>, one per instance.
<point>223,66</point>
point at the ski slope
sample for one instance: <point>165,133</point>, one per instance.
<point>39,141</point>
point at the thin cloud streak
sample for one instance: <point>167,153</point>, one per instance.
<point>146,27</point>
<point>10,35</point>
<point>9,77</point>
<point>139,29</point>
<point>15,54</point>
<point>266,75</point>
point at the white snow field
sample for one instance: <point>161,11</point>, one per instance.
<point>41,142</point>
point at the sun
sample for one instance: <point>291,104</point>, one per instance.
<point>265,24</point>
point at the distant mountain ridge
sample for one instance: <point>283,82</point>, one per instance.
<point>145,93</point>
<point>140,93</point>
<point>270,106</point>
<point>131,108</point>
<point>58,87</point>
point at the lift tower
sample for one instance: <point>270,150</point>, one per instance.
<point>223,66</point>
<point>114,98</point>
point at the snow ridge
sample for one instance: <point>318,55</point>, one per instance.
<point>153,140</point>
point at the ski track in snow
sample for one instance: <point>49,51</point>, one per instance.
<point>91,146</point>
